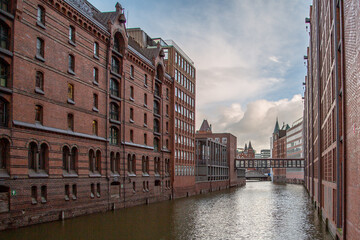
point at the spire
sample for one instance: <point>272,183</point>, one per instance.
<point>205,127</point>
<point>250,147</point>
<point>245,147</point>
<point>277,128</point>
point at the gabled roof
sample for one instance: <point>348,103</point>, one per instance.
<point>104,17</point>
<point>205,127</point>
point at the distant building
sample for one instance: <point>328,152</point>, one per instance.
<point>265,153</point>
<point>279,150</point>
<point>209,152</point>
<point>248,152</point>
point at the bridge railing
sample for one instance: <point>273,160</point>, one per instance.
<point>270,163</point>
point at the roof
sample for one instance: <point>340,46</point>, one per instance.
<point>205,127</point>
<point>104,17</point>
<point>277,128</point>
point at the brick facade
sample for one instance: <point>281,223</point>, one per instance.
<point>331,112</point>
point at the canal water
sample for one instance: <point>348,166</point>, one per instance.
<point>260,210</point>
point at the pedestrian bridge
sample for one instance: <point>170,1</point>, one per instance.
<point>270,163</point>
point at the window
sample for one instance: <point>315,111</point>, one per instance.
<point>145,99</point>
<point>116,44</point>
<point>38,160</point>
<point>114,87</point>
<point>96,75</point>
<point>114,136</point>
<point>67,192</point>
<point>34,195</point>
<point>156,107</point>
<point>114,112</point>
<point>167,109</point>
<point>156,126</point>
<point>145,119</point>
<point>71,64</point>
<point>157,165</point>
<point>144,165</point>
<point>74,192</point>
<point>4,153</point>
<point>70,159</point>
<point>167,126</point>
<point>145,139</point>
<point>94,161</point>
<point>156,145</point>
<point>131,115</point>
<point>39,81</point>
<point>131,136</point>
<point>167,166</point>
<point>132,71</point>
<point>95,100</point>
<point>40,14</point>
<point>114,162</point>
<point>70,122</point>
<point>96,49</point>
<point>134,187</point>
<point>115,65</point>
<point>167,143</point>
<point>71,34</point>
<point>4,36</point>
<point>92,188</point>
<point>43,194</point>
<point>70,92</point>
<point>40,48</point>
<point>131,93</point>
<point>38,114</point>
<point>157,90</point>
<point>145,80</point>
<point>98,190</point>
<point>4,69</point>
<point>131,164</point>
<point>3,112</point>
<point>94,127</point>
<point>167,93</point>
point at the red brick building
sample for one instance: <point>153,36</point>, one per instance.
<point>279,150</point>
<point>332,115</point>
<point>87,113</point>
<point>248,152</point>
<point>235,177</point>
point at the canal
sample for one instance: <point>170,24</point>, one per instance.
<point>260,210</point>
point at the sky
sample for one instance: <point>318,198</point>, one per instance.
<point>248,56</point>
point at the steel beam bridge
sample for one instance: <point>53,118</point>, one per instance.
<point>269,163</point>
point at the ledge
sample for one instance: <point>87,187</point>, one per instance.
<point>117,53</point>
<point>115,74</point>
<point>40,24</point>
<point>39,174</point>
<point>4,174</point>
<point>71,72</point>
<point>115,97</point>
<point>57,130</point>
<point>6,90</point>
<point>40,58</point>
<point>137,145</point>
<point>72,43</point>
<point>96,57</point>
<point>71,101</point>
<point>7,14</point>
<point>6,52</point>
<point>94,174</point>
<point>95,109</point>
<point>95,83</point>
<point>145,175</point>
<point>131,174</point>
<point>114,121</point>
<point>39,91</point>
<point>70,174</point>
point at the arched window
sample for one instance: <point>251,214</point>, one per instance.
<point>159,72</point>
<point>91,160</point>
<point>98,161</point>
<point>114,136</point>
<point>40,15</point>
<point>4,35</point>
<point>38,114</point>
<point>96,49</point>
<point>131,114</point>
<point>131,135</point>
<point>32,156</point>
<point>71,64</point>
<point>156,107</point>
<point>156,125</point>
<point>131,164</point>
<point>117,163</point>
<point>3,112</point>
<point>95,75</point>
<point>73,159</point>
<point>119,43</point>
<point>114,112</point>
<point>4,153</point>
<point>65,157</point>
<point>143,160</point>
<point>132,71</point>
<point>145,99</point>
<point>156,145</point>
<point>72,34</point>
<point>114,87</point>
<point>44,157</point>
<point>40,48</point>
<point>4,73</point>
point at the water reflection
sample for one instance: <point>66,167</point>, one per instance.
<point>261,210</point>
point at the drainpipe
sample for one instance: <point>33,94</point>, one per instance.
<point>123,131</point>
<point>107,118</point>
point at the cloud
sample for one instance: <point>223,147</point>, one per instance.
<point>257,122</point>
